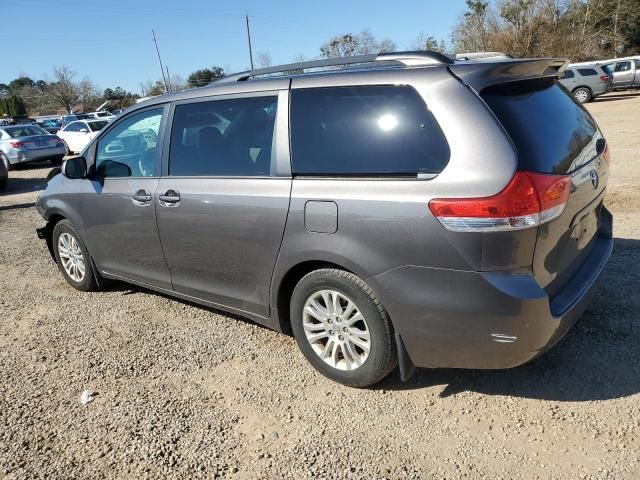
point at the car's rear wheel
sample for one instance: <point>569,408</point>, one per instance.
<point>6,162</point>
<point>582,94</point>
<point>56,162</point>
<point>341,328</point>
<point>66,148</point>
<point>72,257</point>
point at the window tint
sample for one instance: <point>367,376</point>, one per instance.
<point>587,72</point>
<point>364,130</point>
<point>129,149</point>
<point>623,66</point>
<point>568,74</point>
<point>637,64</point>
<point>526,109</point>
<point>25,131</point>
<point>97,126</point>
<point>607,68</point>
<point>223,137</point>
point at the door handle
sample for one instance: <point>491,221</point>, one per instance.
<point>171,196</point>
<point>141,196</point>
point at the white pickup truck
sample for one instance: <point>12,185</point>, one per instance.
<point>625,71</point>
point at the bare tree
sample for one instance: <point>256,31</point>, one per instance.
<point>264,59</point>
<point>63,91</point>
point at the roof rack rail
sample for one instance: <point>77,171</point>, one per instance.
<point>409,58</point>
<point>483,56</point>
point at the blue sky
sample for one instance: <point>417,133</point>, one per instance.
<point>110,40</point>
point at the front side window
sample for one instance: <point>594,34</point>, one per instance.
<point>97,126</point>
<point>364,131</point>
<point>129,149</point>
<point>73,127</point>
<point>223,137</point>
<point>623,66</point>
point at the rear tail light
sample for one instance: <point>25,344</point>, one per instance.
<point>16,144</point>
<point>606,153</point>
<point>605,78</point>
<point>529,200</point>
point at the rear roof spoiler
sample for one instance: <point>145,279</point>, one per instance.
<point>480,75</point>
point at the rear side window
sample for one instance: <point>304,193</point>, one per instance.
<point>587,72</point>
<point>568,74</point>
<point>548,127</point>
<point>223,137</point>
<point>364,131</point>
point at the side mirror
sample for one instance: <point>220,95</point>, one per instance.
<point>75,168</point>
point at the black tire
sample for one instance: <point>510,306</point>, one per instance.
<point>88,283</point>
<point>67,152</point>
<point>382,357</point>
<point>6,162</point>
<point>3,184</point>
<point>56,162</point>
<point>582,94</point>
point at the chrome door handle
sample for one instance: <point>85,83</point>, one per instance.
<point>171,196</point>
<point>142,196</point>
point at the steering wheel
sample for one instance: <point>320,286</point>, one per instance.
<point>146,162</point>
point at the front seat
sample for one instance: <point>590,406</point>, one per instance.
<point>211,152</point>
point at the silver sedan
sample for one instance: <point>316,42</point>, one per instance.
<point>28,143</point>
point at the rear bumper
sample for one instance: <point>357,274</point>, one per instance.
<point>24,156</point>
<point>485,320</point>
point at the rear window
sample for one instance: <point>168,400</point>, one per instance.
<point>587,72</point>
<point>548,127</point>
<point>25,131</point>
<point>364,131</point>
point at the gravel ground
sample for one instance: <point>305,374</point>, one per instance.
<point>183,392</point>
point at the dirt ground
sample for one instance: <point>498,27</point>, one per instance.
<point>186,392</point>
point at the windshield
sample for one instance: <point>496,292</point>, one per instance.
<point>25,131</point>
<point>97,126</point>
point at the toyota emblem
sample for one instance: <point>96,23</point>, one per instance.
<point>594,178</point>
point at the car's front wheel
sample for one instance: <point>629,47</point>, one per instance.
<point>66,148</point>
<point>341,328</point>
<point>72,257</point>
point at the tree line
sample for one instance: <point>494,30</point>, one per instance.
<point>573,29</point>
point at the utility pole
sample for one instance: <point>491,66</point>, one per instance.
<point>246,17</point>
<point>169,78</point>
<point>166,89</point>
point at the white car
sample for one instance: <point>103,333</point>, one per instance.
<point>102,115</point>
<point>78,134</point>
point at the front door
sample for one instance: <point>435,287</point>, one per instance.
<point>223,204</point>
<point>622,74</point>
<point>119,215</point>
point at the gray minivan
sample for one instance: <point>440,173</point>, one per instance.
<point>404,209</point>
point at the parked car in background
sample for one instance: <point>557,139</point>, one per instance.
<point>625,70</point>
<point>50,125</point>
<point>28,143</point>
<point>586,82</point>
<point>67,119</point>
<point>78,134</point>
<point>420,211</point>
<point>104,115</point>
<point>4,176</point>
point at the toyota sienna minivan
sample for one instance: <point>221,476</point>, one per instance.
<point>404,209</point>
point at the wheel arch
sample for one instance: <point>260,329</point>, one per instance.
<point>289,281</point>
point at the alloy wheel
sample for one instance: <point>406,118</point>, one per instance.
<point>71,257</point>
<point>336,330</point>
